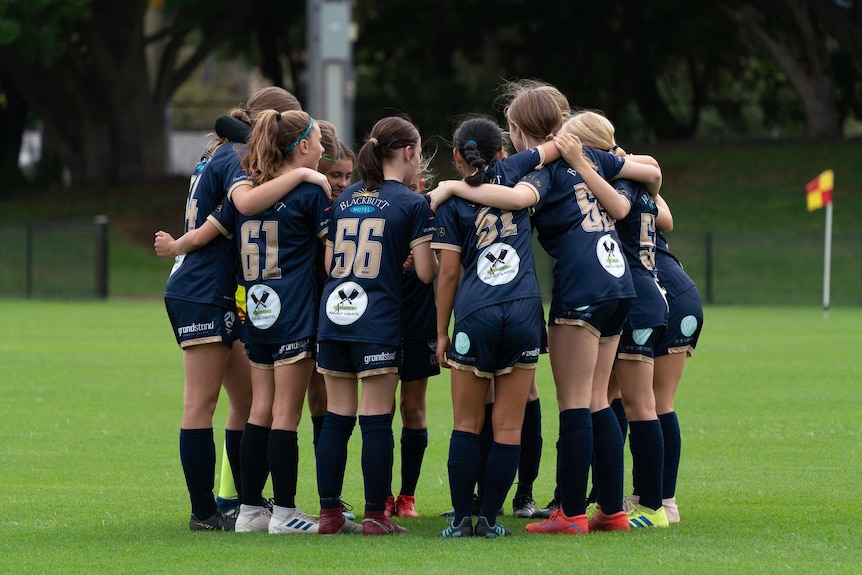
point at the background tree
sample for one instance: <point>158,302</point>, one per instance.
<point>83,68</point>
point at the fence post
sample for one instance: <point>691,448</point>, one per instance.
<point>101,256</point>
<point>708,261</point>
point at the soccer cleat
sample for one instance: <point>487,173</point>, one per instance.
<point>405,506</point>
<point>252,518</point>
<point>486,530</point>
<point>548,510</point>
<point>228,506</point>
<point>559,522</point>
<point>375,523</point>
<point>592,509</point>
<point>463,529</point>
<point>291,521</point>
<point>332,521</point>
<point>618,521</point>
<point>347,511</point>
<point>523,506</point>
<point>671,510</point>
<point>389,509</point>
<point>641,516</point>
<point>218,521</point>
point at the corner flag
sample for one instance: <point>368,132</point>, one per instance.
<point>819,194</point>
<point>819,190</point>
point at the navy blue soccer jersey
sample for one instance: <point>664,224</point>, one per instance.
<point>277,252</point>
<point>371,234</point>
<point>670,271</point>
<point>419,308</point>
<point>208,275</point>
<point>496,253</point>
<point>507,171</point>
<point>576,231</point>
<point>637,236</point>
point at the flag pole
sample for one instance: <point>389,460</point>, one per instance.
<point>827,259</point>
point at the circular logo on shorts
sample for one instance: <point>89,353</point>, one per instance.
<point>688,325</point>
<point>346,303</point>
<point>611,256</point>
<point>640,336</point>
<point>229,319</point>
<point>462,342</point>
<point>498,264</point>
<point>263,306</point>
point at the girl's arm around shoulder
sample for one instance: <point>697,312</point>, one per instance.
<point>611,200</point>
<point>494,195</point>
<point>251,200</point>
<point>166,245</point>
<point>664,220</point>
<point>425,262</point>
<point>646,173</point>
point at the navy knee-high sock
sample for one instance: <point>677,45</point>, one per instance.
<point>198,458</point>
<point>316,427</point>
<point>413,444</point>
<point>575,457</point>
<point>464,455</point>
<point>499,475</point>
<point>647,446</point>
<point>232,442</point>
<point>486,438</point>
<point>253,463</point>
<point>617,406</point>
<point>672,451</point>
<point>378,447</point>
<point>283,456</point>
<point>608,461</point>
<point>531,448</point>
<point>332,457</point>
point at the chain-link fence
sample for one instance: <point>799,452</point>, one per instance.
<point>63,259</point>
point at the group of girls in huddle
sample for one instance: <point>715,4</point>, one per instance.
<point>326,269</point>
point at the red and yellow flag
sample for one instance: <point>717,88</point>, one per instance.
<point>819,190</point>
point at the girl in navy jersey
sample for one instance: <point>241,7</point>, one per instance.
<point>643,330</point>
<point>277,250</point>
<point>685,322</point>
<point>498,326</point>
<point>200,301</point>
<point>418,363</point>
<point>375,225</point>
<point>591,294</point>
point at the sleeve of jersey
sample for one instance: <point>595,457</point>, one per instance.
<point>423,223</point>
<point>224,218</point>
<point>510,170</point>
<point>626,190</point>
<point>540,181</point>
<point>322,209</point>
<point>609,164</point>
<point>446,236</point>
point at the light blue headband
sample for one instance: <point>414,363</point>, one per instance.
<point>304,135</point>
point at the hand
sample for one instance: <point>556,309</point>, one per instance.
<point>440,194</point>
<point>315,177</point>
<point>571,148</point>
<point>408,263</point>
<point>164,244</point>
<point>443,345</point>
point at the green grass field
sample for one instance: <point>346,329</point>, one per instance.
<point>91,480</point>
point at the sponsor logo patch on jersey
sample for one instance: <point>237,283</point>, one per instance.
<point>610,255</point>
<point>498,264</point>
<point>346,304</point>
<point>263,306</point>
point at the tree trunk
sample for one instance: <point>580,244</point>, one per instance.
<point>13,118</point>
